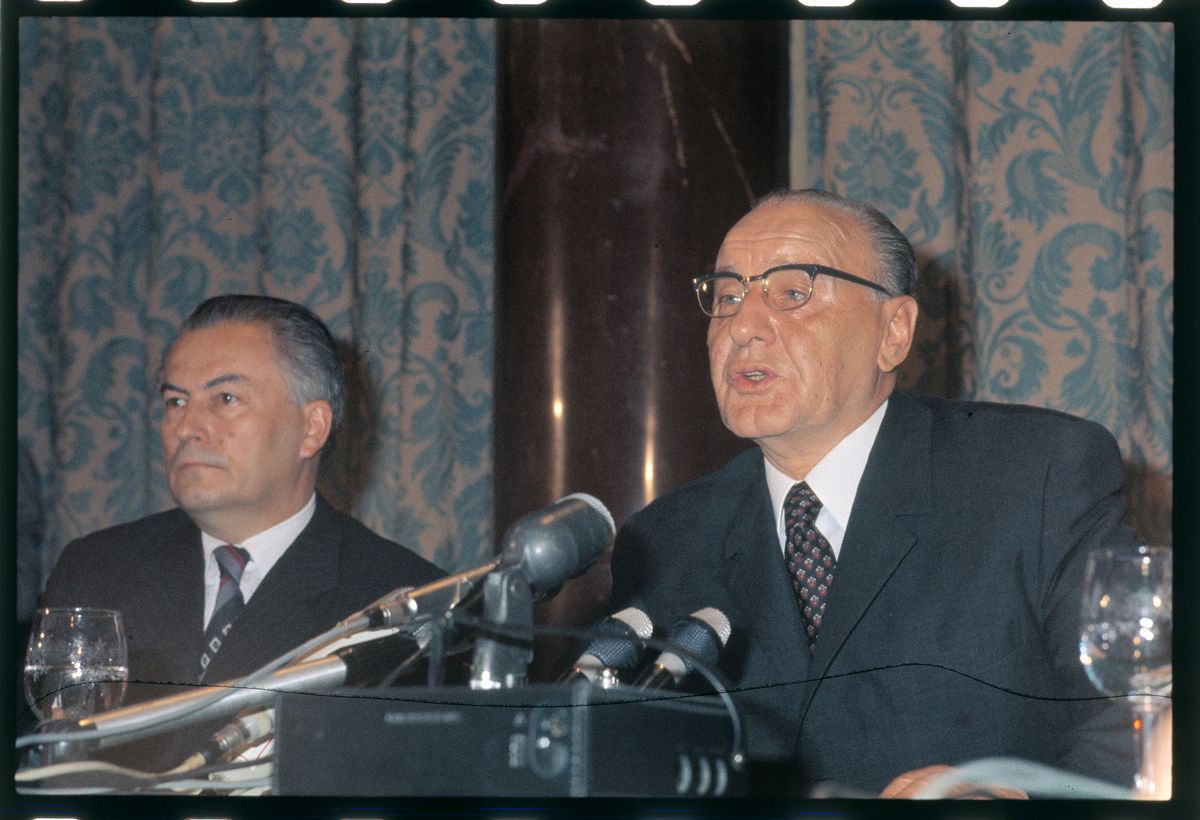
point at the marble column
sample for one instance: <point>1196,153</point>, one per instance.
<point>626,149</point>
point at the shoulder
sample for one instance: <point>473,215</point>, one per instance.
<point>365,551</point>
<point>721,486</point>
<point>745,466</point>
<point>972,445</point>
<point>1014,426</point>
<point>95,563</point>
<point>132,537</point>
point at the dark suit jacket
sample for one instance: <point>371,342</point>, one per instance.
<point>152,571</point>
<point>952,625</point>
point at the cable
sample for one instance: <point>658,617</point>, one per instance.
<point>713,676</point>
<point>80,767</point>
<point>83,767</point>
<point>219,692</point>
<point>238,734</point>
<point>214,769</point>
<point>210,785</point>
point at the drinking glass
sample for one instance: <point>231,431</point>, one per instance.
<point>1125,647</point>
<point>77,662</point>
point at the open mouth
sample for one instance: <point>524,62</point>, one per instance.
<point>752,378</point>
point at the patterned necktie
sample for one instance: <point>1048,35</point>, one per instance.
<point>810,560</point>
<point>231,561</point>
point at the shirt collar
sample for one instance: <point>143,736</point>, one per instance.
<point>835,478</point>
<point>268,546</point>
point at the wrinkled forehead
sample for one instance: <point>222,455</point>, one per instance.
<point>791,232</point>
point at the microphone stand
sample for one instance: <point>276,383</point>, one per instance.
<point>406,605</point>
<point>501,662</point>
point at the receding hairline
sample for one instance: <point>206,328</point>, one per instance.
<point>893,262</point>
<point>277,356</point>
<point>263,324</point>
<point>857,233</point>
<point>823,206</point>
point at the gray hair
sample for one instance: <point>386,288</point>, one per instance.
<point>306,353</point>
<point>894,255</point>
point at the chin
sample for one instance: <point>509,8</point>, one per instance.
<point>753,423</point>
<point>194,499</point>
<point>753,432</point>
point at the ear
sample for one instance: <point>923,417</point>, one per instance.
<point>900,313</point>
<point>318,422</point>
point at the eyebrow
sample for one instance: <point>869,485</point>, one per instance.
<point>225,378</point>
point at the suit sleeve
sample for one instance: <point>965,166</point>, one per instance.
<point>1082,512</point>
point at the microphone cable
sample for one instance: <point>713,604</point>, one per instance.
<point>712,675</point>
<point>218,692</point>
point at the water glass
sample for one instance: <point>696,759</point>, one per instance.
<point>1125,646</point>
<point>77,662</point>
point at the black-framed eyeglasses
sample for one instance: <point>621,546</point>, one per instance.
<point>785,287</point>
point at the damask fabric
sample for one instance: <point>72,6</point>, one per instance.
<point>343,163</point>
<point>1032,166</point>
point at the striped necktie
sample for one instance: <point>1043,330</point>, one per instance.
<point>810,560</point>
<point>231,561</point>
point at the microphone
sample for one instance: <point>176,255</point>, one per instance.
<point>559,541</point>
<point>617,646</point>
<point>540,551</point>
<point>702,634</point>
<point>348,666</point>
<point>547,546</point>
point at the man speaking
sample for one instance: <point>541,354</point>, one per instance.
<point>903,574</point>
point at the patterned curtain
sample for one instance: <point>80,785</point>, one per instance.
<point>1031,164</point>
<point>345,164</point>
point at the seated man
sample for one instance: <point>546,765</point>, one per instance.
<point>253,562</point>
<point>903,574</point>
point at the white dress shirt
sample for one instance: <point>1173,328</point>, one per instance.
<point>834,479</point>
<point>265,549</point>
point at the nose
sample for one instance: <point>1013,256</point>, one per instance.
<point>754,320</point>
<point>186,423</point>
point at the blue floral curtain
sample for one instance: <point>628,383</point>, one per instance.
<point>345,164</point>
<point>1031,163</point>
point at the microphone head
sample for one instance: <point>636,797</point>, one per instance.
<point>636,620</point>
<point>703,634</point>
<point>560,541</point>
<point>619,644</point>
<point>597,505</point>
<point>715,620</point>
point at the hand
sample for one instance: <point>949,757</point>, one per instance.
<point>910,784</point>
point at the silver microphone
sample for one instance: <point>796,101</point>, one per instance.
<point>617,646</point>
<point>703,634</point>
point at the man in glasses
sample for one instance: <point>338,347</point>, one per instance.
<point>903,574</point>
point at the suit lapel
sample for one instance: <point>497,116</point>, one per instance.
<point>754,574</point>
<point>170,609</point>
<point>890,508</point>
<point>180,579</point>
